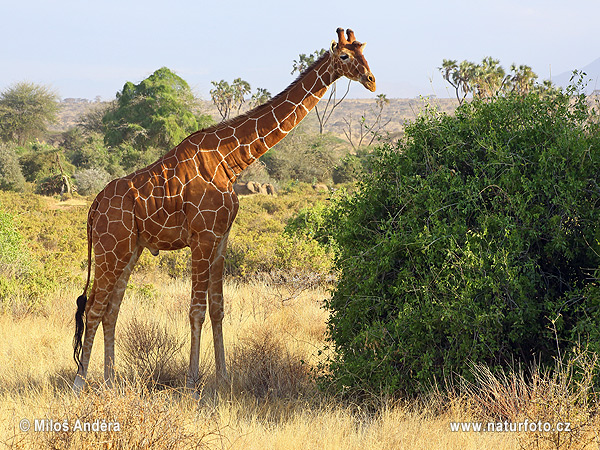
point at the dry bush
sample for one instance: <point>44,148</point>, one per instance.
<point>262,367</point>
<point>565,394</point>
<point>150,351</point>
<point>146,420</point>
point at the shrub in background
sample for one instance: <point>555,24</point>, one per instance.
<point>477,239</point>
<point>11,177</point>
<point>91,181</point>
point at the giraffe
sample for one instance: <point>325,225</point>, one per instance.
<point>186,198</point>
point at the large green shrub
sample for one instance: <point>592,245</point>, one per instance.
<point>475,239</point>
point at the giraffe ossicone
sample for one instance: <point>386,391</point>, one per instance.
<point>186,199</point>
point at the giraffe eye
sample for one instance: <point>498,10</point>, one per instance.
<point>344,57</point>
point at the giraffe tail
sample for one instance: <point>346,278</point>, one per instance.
<point>82,299</point>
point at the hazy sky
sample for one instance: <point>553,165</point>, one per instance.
<point>90,48</point>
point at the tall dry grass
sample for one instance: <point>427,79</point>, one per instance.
<point>272,341</point>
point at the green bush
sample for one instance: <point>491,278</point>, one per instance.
<point>52,250</point>
<point>91,181</point>
<point>37,161</point>
<point>11,177</point>
<point>11,246</point>
<point>20,281</point>
<point>476,239</point>
<point>305,157</point>
<point>259,242</point>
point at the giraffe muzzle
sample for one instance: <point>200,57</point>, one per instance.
<point>368,81</point>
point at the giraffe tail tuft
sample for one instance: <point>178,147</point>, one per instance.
<point>82,299</point>
<point>79,327</point>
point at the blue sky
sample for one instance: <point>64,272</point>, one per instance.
<point>88,49</point>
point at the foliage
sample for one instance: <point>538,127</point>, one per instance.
<point>259,243</point>
<point>53,185</point>
<point>348,170</point>
<point>489,78</point>
<point>304,157</point>
<point>86,151</point>
<point>259,97</point>
<point>469,241</point>
<point>304,61</point>
<point>230,98</point>
<point>25,111</point>
<point>157,112</point>
<point>20,280</point>
<point>367,129</point>
<point>11,245</point>
<point>312,223</point>
<point>91,181</point>
<point>11,177</point>
<point>39,161</point>
<point>52,251</point>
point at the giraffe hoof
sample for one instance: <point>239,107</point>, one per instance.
<point>78,385</point>
<point>153,251</point>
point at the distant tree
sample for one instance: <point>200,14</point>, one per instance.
<point>489,78</point>
<point>259,97</point>
<point>305,61</point>
<point>26,109</point>
<point>92,121</point>
<point>368,129</point>
<point>229,97</point>
<point>323,112</point>
<point>459,76</point>
<point>522,79</point>
<point>158,112</point>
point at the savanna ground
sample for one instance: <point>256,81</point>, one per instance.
<point>274,339</point>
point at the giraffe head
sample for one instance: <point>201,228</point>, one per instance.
<point>349,61</point>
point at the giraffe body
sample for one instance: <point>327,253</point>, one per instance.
<point>186,199</point>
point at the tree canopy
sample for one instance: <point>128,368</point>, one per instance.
<point>489,78</point>
<point>158,112</point>
<point>26,109</point>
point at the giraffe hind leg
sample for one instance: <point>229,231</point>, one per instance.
<point>103,291</point>
<point>109,319</point>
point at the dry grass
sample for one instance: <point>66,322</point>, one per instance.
<point>271,344</point>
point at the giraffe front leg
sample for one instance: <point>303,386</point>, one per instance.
<point>197,314</point>
<point>201,251</point>
<point>216,310</point>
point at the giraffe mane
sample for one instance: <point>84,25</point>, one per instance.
<point>253,111</point>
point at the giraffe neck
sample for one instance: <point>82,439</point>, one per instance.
<point>244,139</point>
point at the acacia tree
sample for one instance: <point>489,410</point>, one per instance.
<point>323,113</point>
<point>26,109</point>
<point>366,128</point>
<point>158,112</point>
<point>229,97</point>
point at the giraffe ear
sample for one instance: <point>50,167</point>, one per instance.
<point>333,47</point>
<point>362,46</point>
